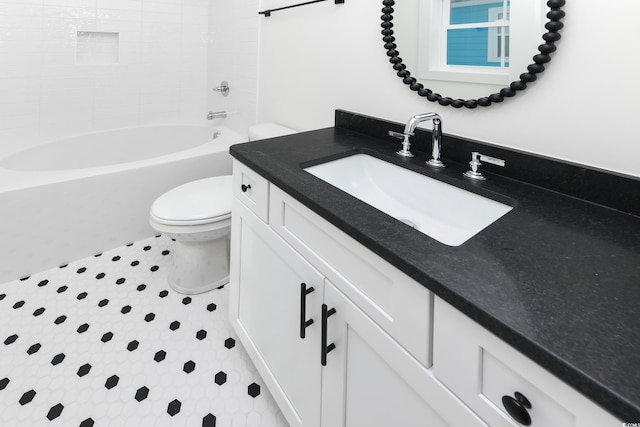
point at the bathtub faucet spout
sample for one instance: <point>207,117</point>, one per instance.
<point>216,115</point>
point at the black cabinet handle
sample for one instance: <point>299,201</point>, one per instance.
<point>517,408</point>
<point>244,188</point>
<point>325,349</point>
<point>304,291</point>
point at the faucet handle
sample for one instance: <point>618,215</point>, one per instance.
<point>223,88</point>
<point>405,151</point>
<point>474,171</point>
<point>398,135</point>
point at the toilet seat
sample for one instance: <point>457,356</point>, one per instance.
<point>194,203</point>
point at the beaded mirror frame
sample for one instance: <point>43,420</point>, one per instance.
<point>553,26</point>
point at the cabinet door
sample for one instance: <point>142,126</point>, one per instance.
<point>370,380</point>
<point>265,309</point>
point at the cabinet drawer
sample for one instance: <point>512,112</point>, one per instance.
<point>251,189</point>
<point>400,305</point>
<point>482,369</point>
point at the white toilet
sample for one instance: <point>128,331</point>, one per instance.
<point>198,216</point>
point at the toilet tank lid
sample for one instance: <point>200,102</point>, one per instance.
<point>195,200</point>
<point>268,130</point>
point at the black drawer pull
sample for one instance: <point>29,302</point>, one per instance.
<point>517,408</point>
<point>325,349</point>
<point>304,291</point>
<point>244,188</point>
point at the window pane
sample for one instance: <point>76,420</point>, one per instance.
<point>483,45</point>
<point>470,46</point>
<point>473,11</point>
<point>467,46</point>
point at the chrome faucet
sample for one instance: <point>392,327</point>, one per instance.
<point>409,130</point>
<point>216,115</point>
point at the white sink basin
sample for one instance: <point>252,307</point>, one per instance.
<point>449,214</point>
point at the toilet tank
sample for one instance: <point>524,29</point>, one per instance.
<point>268,130</point>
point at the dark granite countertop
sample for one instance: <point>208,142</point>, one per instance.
<point>558,278</point>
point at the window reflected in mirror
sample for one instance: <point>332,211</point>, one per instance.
<point>477,32</point>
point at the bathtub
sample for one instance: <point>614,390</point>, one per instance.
<point>75,197</point>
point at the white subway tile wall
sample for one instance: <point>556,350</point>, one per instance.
<point>233,57</point>
<point>160,75</point>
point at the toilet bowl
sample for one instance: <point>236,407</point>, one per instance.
<point>197,215</point>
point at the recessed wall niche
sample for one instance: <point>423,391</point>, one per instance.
<point>97,48</point>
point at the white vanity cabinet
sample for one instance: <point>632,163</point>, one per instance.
<point>344,339</point>
<point>483,370</point>
<point>372,322</point>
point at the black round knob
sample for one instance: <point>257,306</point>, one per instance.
<point>517,408</point>
<point>244,188</point>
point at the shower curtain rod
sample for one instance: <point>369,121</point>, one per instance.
<point>267,12</point>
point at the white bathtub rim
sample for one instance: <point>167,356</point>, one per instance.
<point>11,179</point>
<point>36,142</point>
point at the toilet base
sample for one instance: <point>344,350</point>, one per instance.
<point>199,266</point>
<point>205,288</point>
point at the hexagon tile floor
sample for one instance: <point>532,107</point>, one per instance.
<point>105,342</point>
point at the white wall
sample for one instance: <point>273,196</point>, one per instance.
<point>161,73</point>
<point>233,53</point>
<point>584,108</point>
<point>311,60</point>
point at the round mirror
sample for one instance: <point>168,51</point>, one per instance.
<point>463,30</point>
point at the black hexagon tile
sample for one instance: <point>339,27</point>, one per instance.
<point>34,348</point>
<point>127,350</point>
<point>189,366</point>
<point>27,397</point>
<point>11,339</point>
<point>57,359</point>
<point>111,382</point>
<point>253,390</point>
<point>84,370</point>
<point>141,394</point>
<point>55,411</point>
<point>220,378</point>
<point>174,407</point>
